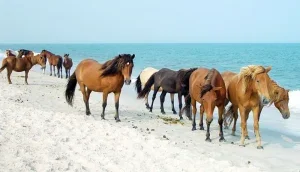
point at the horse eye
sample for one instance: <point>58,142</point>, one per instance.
<point>257,80</point>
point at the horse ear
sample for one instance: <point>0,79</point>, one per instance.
<point>217,88</point>
<point>119,56</point>
<point>133,55</point>
<point>288,90</point>
<point>268,69</point>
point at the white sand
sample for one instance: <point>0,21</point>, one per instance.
<point>40,132</point>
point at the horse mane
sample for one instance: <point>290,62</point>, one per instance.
<point>184,74</point>
<point>248,73</point>
<point>207,84</point>
<point>276,87</point>
<point>114,66</point>
<point>47,52</point>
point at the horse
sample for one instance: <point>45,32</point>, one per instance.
<point>250,90</point>
<point>67,64</point>
<point>106,78</point>
<point>25,53</point>
<point>141,81</point>
<point>207,87</point>
<point>170,82</point>
<point>12,63</point>
<point>55,61</point>
<point>10,53</point>
<point>279,96</point>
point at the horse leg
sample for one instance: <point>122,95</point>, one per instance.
<point>201,117</point>
<point>58,74</point>
<point>194,109</point>
<point>54,70</point>
<point>104,103</point>
<point>246,132</point>
<point>66,73</point>
<point>153,97</point>
<point>180,104</point>
<point>243,113</point>
<point>146,101</point>
<point>50,70</point>
<point>208,122</point>
<point>256,114</point>
<point>26,76</point>
<point>162,100</point>
<point>69,72</point>
<point>221,110</point>
<point>172,102</point>
<point>235,117</point>
<point>86,95</point>
<point>61,75</point>
<point>9,71</point>
<point>117,97</point>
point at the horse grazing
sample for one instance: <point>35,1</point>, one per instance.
<point>12,63</point>
<point>279,96</point>
<point>249,91</point>
<point>25,53</point>
<point>67,64</point>
<point>107,78</point>
<point>55,61</point>
<point>207,87</point>
<point>10,53</point>
<point>141,81</point>
<point>170,82</point>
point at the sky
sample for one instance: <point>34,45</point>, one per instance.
<point>152,21</point>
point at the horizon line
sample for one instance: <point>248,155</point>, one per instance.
<point>155,43</point>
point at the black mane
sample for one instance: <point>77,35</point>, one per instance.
<point>115,65</point>
<point>207,86</point>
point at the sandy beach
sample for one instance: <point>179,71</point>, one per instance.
<point>40,132</point>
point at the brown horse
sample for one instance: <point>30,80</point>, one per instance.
<point>250,91</point>
<point>207,88</point>
<point>67,64</point>
<point>279,96</point>
<point>107,78</point>
<point>9,53</point>
<point>12,63</point>
<point>55,61</point>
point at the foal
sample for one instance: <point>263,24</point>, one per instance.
<point>67,64</point>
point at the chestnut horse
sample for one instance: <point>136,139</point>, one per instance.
<point>67,64</point>
<point>206,87</point>
<point>106,78</point>
<point>55,61</point>
<point>12,63</point>
<point>10,53</point>
<point>250,91</point>
<point>279,96</point>
<point>170,82</point>
<point>141,81</point>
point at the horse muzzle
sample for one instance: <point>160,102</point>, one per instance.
<point>127,81</point>
<point>285,115</point>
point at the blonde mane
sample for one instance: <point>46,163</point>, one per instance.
<point>248,73</point>
<point>281,92</point>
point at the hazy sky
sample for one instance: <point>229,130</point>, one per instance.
<point>127,21</point>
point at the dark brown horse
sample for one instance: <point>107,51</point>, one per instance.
<point>206,87</point>
<point>55,61</point>
<point>25,53</point>
<point>12,63</point>
<point>170,82</point>
<point>106,78</point>
<point>67,64</point>
<point>9,53</point>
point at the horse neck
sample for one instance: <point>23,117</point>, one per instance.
<point>32,60</point>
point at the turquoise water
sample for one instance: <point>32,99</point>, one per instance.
<point>284,58</point>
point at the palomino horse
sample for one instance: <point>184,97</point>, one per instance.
<point>12,63</point>
<point>10,53</point>
<point>107,78</point>
<point>25,53</point>
<point>279,96</point>
<point>250,91</point>
<point>141,81</point>
<point>206,87</point>
<point>67,64</point>
<point>55,61</point>
<point>170,82</point>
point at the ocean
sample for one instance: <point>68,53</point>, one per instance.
<point>284,59</point>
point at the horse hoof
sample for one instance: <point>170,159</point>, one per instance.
<point>88,113</point>
<point>174,112</point>
<point>233,133</point>
<point>181,118</point>
<point>194,128</point>
<point>150,110</point>
<point>117,120</point>
<point>242,145</point>
<point>190,118</point>
<point>222,139</point>
<point>247,137</point>
<point>163,112</point>
<point>208,139</point>
<point>201,128</point>
<point>260,147</point>
<point>102,117</point>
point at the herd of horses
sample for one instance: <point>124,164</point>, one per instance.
<point>249,90</point>
<point>26,59</point>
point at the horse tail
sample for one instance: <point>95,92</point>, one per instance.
<point>138,84</point>
<point>228,115</point>
<point>4,64</point>
<point>187,108</point>
<point>147,87</point>
<point>70,90</point>
<point>60,62</point>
